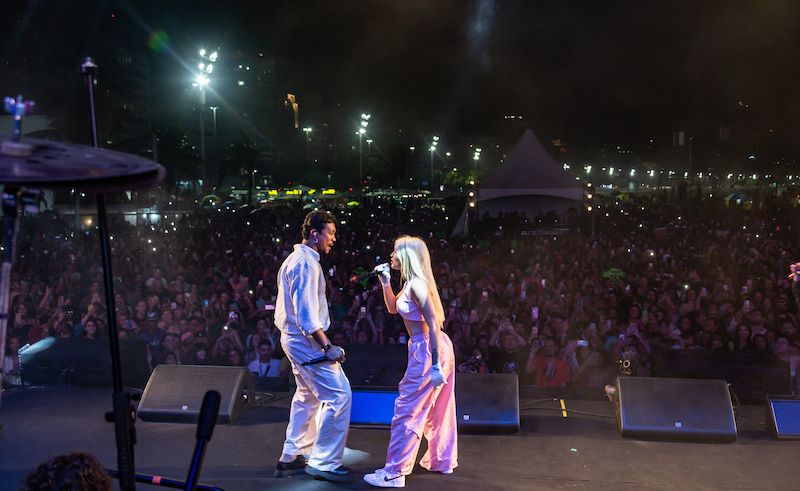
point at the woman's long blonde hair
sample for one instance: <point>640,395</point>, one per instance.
<point>415,262</point>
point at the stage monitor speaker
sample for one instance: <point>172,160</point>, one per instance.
<point>175,392</point>
<point>487,403</point>
<point>752,375</point>
<point>675,409</point>
<point>372,407</point>
<point>83,362</point>
<point>783,417</point>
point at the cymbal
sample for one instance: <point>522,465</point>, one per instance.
<point>69,166</point>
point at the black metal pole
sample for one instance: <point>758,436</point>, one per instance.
<point>205,428</point>
<point>124,414</point>
<point>164,481</point>
<point>11,210</point>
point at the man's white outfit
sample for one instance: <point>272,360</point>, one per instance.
<point>301,309</point>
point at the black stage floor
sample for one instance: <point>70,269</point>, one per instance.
<point>551,452</point>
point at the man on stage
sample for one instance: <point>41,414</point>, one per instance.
<point>301,314</point>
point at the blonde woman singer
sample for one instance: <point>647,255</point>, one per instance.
<point>426,405</point>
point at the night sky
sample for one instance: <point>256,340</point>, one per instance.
<point>586,72</point>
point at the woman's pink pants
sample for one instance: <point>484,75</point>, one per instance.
<point>422,409</point>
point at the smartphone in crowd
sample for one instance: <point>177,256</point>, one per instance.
<point>535,312</point>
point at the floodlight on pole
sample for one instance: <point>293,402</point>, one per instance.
<point>201,81</point>
<point>361,131</point>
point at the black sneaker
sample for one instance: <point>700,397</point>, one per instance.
<point>286,469</point>
<point>338,475</point>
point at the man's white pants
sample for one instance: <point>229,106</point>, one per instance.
<point>326,383</point>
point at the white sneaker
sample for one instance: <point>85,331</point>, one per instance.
<point>448,471</point>
<point>383,480</point>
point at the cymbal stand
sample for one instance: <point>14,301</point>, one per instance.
<point>123,415</point>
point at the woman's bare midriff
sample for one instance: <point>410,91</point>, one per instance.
<point>416,327</point>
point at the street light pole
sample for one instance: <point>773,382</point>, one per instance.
<point>433,148</point>
<point>214,110</point>
<point>202,125</point>
<point>201,82</point>
<point>361,131</point>
<point>307,130</point>
<point>360,162</point>
<point>411,171</point>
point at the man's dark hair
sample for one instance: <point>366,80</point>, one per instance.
<point>316,220</point>
<point>263,342</point>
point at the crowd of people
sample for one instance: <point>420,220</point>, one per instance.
<point>556,309</point>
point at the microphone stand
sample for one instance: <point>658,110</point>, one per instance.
<point>205,427</point>
<point>164,481</point>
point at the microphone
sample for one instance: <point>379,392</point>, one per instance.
<point>366,276</point>
<point>314,361</point>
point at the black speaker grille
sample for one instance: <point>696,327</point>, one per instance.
<point>675,409</point>
<point>175,392</point>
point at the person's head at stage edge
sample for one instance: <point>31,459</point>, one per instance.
<point>264,351</point>
<point>319,231</point>
<point>73,472</point>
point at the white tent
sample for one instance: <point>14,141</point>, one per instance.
<point>530,180</point>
